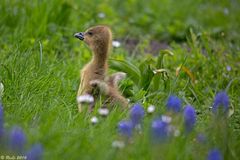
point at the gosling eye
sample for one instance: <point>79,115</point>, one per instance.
<point>90,33</point>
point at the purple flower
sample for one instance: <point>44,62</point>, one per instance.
<point>35,153</point>
<point>189,118</point>
<point>229,68</point>
<point>17,139</point>
<point>159,129</point>
<point>125,128</point>
<point>201,138</point>
<point>174,104</point>
<point>221,100</point>
<point>136,114</point>
<point>214,154</point>
<point>1,121</point>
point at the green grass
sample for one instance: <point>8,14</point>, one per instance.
<point>40,62</point>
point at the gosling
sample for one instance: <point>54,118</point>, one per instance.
<point>93,74</point>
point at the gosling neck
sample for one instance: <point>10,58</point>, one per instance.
<point>100,56</point>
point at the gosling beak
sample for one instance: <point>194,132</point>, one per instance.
<point>79,35</point>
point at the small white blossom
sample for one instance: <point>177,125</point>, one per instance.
<point>94,120</point>
<point>118,144</point>
<point>87,98</point>
<point>116,44</point>
<point>138,128</point>
<point>151,109</point>
<point>226,11</point>
<point>176,133</point>
<point>101,15</point>
<point>166,119</point>
<point>172,130</point>
<point>103,111</point>
<point>1,89</point>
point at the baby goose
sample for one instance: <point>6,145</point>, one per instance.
<point>99,39</point>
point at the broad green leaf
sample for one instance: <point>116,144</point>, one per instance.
<point>146,73</point>
<point>159,68</point>
<point>162,53</point>
<point>167,52</point>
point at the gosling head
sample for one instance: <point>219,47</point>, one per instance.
<point>96,37</point>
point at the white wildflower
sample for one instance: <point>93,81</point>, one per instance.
<point>138,128</point>
<point>226,11</point>
<point>118,144</point>
<point>86,98</point>
<point>166,119</point>
<point>94,120</point>
<point>116,44</point>
<point>151,109</point>
<point>172,130</point>
<point>176,133</point>
<point>1,89</point>
<point>101,15</point>
<point>103,111</point>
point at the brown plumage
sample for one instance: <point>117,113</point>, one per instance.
<point>99,39</point>
<point>109,87</point>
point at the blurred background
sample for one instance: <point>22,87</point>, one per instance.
<point>40,62</point>
<point>133,20</point>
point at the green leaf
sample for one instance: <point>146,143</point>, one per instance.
<point>146,74</point>
<point>159,68</point>
<point>231,111</point>
<point>162,53</point>
<point>167,52</point>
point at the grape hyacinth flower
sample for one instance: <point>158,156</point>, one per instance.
<point>15,142</point>
<point>159,130</point>
<point>17,139</point>
<point>221,100</point>
<point>125,128</point>
<point>136,114</point>
<point>35,153</point>
<point>174,104</point>
<point>214,154</point>
<point>189,118</point>
<point>229,68</point>
<point>1,121</point>
<point>201,138</point>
